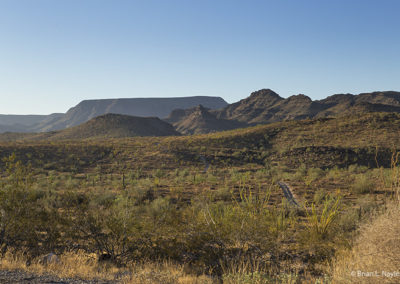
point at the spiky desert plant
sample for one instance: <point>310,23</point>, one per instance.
<point>319,223</point>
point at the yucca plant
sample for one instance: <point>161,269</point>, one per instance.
<point>319,223</point>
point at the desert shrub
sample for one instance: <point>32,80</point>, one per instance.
<point>143,183</point>
<point>334,173</point>
<point>388,178</point>
<point>25,222</point>
<point>184,173</point>
<point>27,215</point>
<point>159,173</point>
<point>301,172</point>
<point>261,174</point>
<point>158,210</point>
<point>244,222</point>
<point>234,175</point>
<point>237,154</point>
<point>315,173</point>
<point>223,193</point>
<point>348,221</point>
<point>176,173</point>
<point>367,206</point>
<point>71,183</point>
<point>363,184</point>
<point>211,178</point>
<point>103,198</point>
<point>312,175</point>
<point>135,174</point>
<point>108,231</point>
<point>278,172</point>
<point>287,176</point>
<point>199,178</point>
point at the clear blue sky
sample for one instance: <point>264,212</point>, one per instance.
<point>55,53</point>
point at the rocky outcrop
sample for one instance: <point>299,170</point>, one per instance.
<point>200,120</point>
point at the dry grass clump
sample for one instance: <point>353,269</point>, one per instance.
<point>68,265</point>
<point>250,270</point>
<point>163,272</point>
<point>363,184</point>
<point>375,257</point>
<point>79,265</point>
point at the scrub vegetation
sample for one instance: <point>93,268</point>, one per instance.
<point>205,208</point>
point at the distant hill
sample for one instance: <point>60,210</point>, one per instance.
<point>116,126</point>
<point>13,128</point>
<point>23,123</point>
<point>266,106</point>
<point>105,126</point>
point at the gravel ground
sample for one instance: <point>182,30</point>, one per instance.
<point>26,277</point>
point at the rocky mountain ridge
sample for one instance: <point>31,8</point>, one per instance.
<point>266,106</point>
